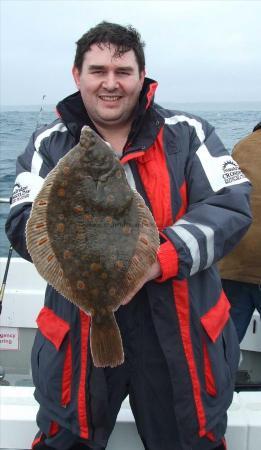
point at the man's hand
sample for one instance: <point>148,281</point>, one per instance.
<point>153,272</point>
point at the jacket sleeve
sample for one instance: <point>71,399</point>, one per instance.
<point>31,168</point>
<point>218,212</point>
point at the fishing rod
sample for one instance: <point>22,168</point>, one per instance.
<point>10,251</point>
<point>5,276</point>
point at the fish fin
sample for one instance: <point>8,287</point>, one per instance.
<point>38,242</point>
<point>145,253</point>
<point>106,343</point>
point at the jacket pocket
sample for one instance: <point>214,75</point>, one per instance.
<point>217,368</point>
<point>52,357</point>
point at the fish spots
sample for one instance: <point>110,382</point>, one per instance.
<point>95,267</point>
<point>112,291</point>
<point>80,285</point>
<point>42,203</point>
<point>126,230</point>
<point>66,170</point>
<point>61,192</point>
<point>67,254</point>
<point>144,240</point>
<point>118,174</point>
<point>50,258</point>
<point>110,198</point>
<point>88,217</point>
<point>119,264</point>
<point>42,241</point>
<point>104,276</point>
<point>78,209</point>
<point>60,227</point>
<point>39,226</point>
<point>109,220</point>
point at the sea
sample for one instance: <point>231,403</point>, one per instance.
<point>232,121</point>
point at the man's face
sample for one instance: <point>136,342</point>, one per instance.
<point>109,85</point>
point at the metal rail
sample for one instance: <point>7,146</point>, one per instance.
<point>4,200</point>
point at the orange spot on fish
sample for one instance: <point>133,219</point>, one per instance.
<point>104,276</point>
<point>61,192</point>
<point>88,217</point>
<point>50,257</point>
<point>112,291</point>
<point>67,254</point>
<point>110,198</point>
<point>80,284</point>
<point>42,203</point>
<point>78,209</point>
<point>60,227</point>
<point>95,267</point>
<point>119,264</point>
<point>66,170</point>
<point>126,230</point>
<point>42,241</point>
<point>39,225</point>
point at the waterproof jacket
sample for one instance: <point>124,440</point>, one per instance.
<point>244,262</point>
<point>200,201</point>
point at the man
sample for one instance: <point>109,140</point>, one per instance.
<point>181,349</point>
<point>241,269</point>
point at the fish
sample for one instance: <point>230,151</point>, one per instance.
<point>92,237</point>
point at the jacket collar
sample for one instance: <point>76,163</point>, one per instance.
<point>73,113</point>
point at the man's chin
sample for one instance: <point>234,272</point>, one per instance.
<point>111,120</point>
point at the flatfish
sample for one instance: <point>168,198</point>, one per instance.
<point>92,238</point>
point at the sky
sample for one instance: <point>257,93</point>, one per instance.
<point>198,51</point>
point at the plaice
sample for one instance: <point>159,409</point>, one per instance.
<point>92,238</point>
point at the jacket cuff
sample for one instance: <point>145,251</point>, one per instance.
<point>168,260</point>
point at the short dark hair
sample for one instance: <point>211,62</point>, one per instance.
<point>124,39</point>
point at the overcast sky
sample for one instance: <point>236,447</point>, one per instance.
<point>197,50</point>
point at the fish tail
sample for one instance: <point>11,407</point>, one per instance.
<point>106,343</point>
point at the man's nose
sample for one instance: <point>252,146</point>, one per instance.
<point>110,82</point>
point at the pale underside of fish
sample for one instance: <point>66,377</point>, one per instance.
<point>92,238</point>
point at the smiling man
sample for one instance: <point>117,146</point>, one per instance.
<point>110,84</point>
<point>180,345</point>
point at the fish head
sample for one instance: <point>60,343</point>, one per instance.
<point>98,156</point>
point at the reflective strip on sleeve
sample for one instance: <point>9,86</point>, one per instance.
<point>46,133</point>
<point>191,243</point>
<point>192,122</point>
<point>37,162</point>
<point>27,185</point>
<point>209,234</point>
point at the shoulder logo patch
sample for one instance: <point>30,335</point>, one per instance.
<point>20,193</point>
<point>231,171</point>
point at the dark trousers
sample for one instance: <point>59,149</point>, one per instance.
<point>144,376</point>
<point>244,299</point>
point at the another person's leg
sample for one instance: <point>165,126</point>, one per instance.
<point>257,298</point>
<point>240,297</point>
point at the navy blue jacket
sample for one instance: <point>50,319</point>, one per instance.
<point>200,201</point>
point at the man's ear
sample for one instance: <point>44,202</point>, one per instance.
<point>142,75</point>
<point>76,75</point>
